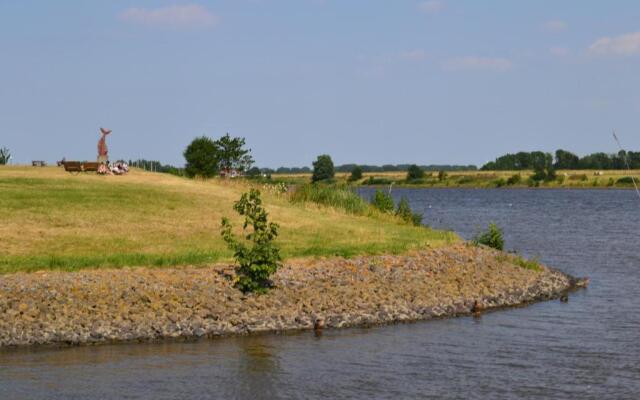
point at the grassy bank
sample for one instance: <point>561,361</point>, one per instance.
<point>54,220</point>
<point>571,179</point>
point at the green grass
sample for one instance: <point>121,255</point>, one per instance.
<point>531,264</point>
<point>53,220</point>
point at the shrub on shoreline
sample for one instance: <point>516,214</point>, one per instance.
<point>625,180</point>
<point>405,212</point>
<point>492,237</point>
<point>514,179</point>
<point>383,201</point>
<point>257,256</point>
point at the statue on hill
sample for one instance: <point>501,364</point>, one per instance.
<point>102,146</point>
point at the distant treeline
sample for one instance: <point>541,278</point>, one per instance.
<point>565,160</point>
<point>371,168</point>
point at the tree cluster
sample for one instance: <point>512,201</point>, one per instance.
<point>564,160</point>
<point>206,157</point>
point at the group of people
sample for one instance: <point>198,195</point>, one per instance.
<point>117,168</point>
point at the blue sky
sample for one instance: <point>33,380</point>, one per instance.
<point>369,81</point>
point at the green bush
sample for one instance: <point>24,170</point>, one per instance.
<point>340,197</point>
<point>466,179</point>
<point>560,179</point>
<point>532,264</point>
<point>383,201</point>
<point>611,182</point>
<point>625,180</point>
<point>492,237</point>
<point>500,182</point>
<point>323,169</point>
<point>416,219</point>
<point>414,172</point>
<point>578,177</point>
<point>404,211</point>
<point>442,175</point>
<point>522,262</point>
<point>514,179</point>
<point>257,256</point>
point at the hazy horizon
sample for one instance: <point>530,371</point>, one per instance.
<point>368,82</point>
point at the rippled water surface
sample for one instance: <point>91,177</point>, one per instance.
<point>588,348</point>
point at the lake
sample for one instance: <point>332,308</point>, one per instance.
<point>588,348</point>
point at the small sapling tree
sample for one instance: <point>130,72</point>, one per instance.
<point>257,255</point>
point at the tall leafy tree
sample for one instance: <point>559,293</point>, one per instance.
<point>566,160</point>
<point>542,166</point>
<point>414,172</point>
<point>323,168</point>
<point>5,156</point>
<point>356,174</point>
<point>232,154</point>
<point>202,158</point>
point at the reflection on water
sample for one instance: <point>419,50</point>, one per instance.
<point>587,348</point>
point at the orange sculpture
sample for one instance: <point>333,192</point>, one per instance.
<point>103,154</point>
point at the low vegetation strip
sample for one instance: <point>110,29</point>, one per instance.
<point>97,306</point>
<point>54,220</point>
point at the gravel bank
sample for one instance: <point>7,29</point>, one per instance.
<point>96,306</point>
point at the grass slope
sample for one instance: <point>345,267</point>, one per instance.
<point>54,220</point>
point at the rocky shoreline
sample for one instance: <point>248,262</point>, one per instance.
<point>141,304</point>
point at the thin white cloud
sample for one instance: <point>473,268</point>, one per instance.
<point>431,6</point>
<point>478,63</point>
<point>559,51</point>
<point>414,55</point>
<point>555,26</point>
<point>623,45</point>
<point>178,16</point>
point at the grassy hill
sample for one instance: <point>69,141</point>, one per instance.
<point>50,219</point>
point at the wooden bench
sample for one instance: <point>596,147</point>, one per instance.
<point>80,166</point>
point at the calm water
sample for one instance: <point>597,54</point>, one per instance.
<point>588,348</point>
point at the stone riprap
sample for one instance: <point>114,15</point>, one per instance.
<point>130,304</point>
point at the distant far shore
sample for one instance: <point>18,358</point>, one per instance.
<point>565,179</point>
